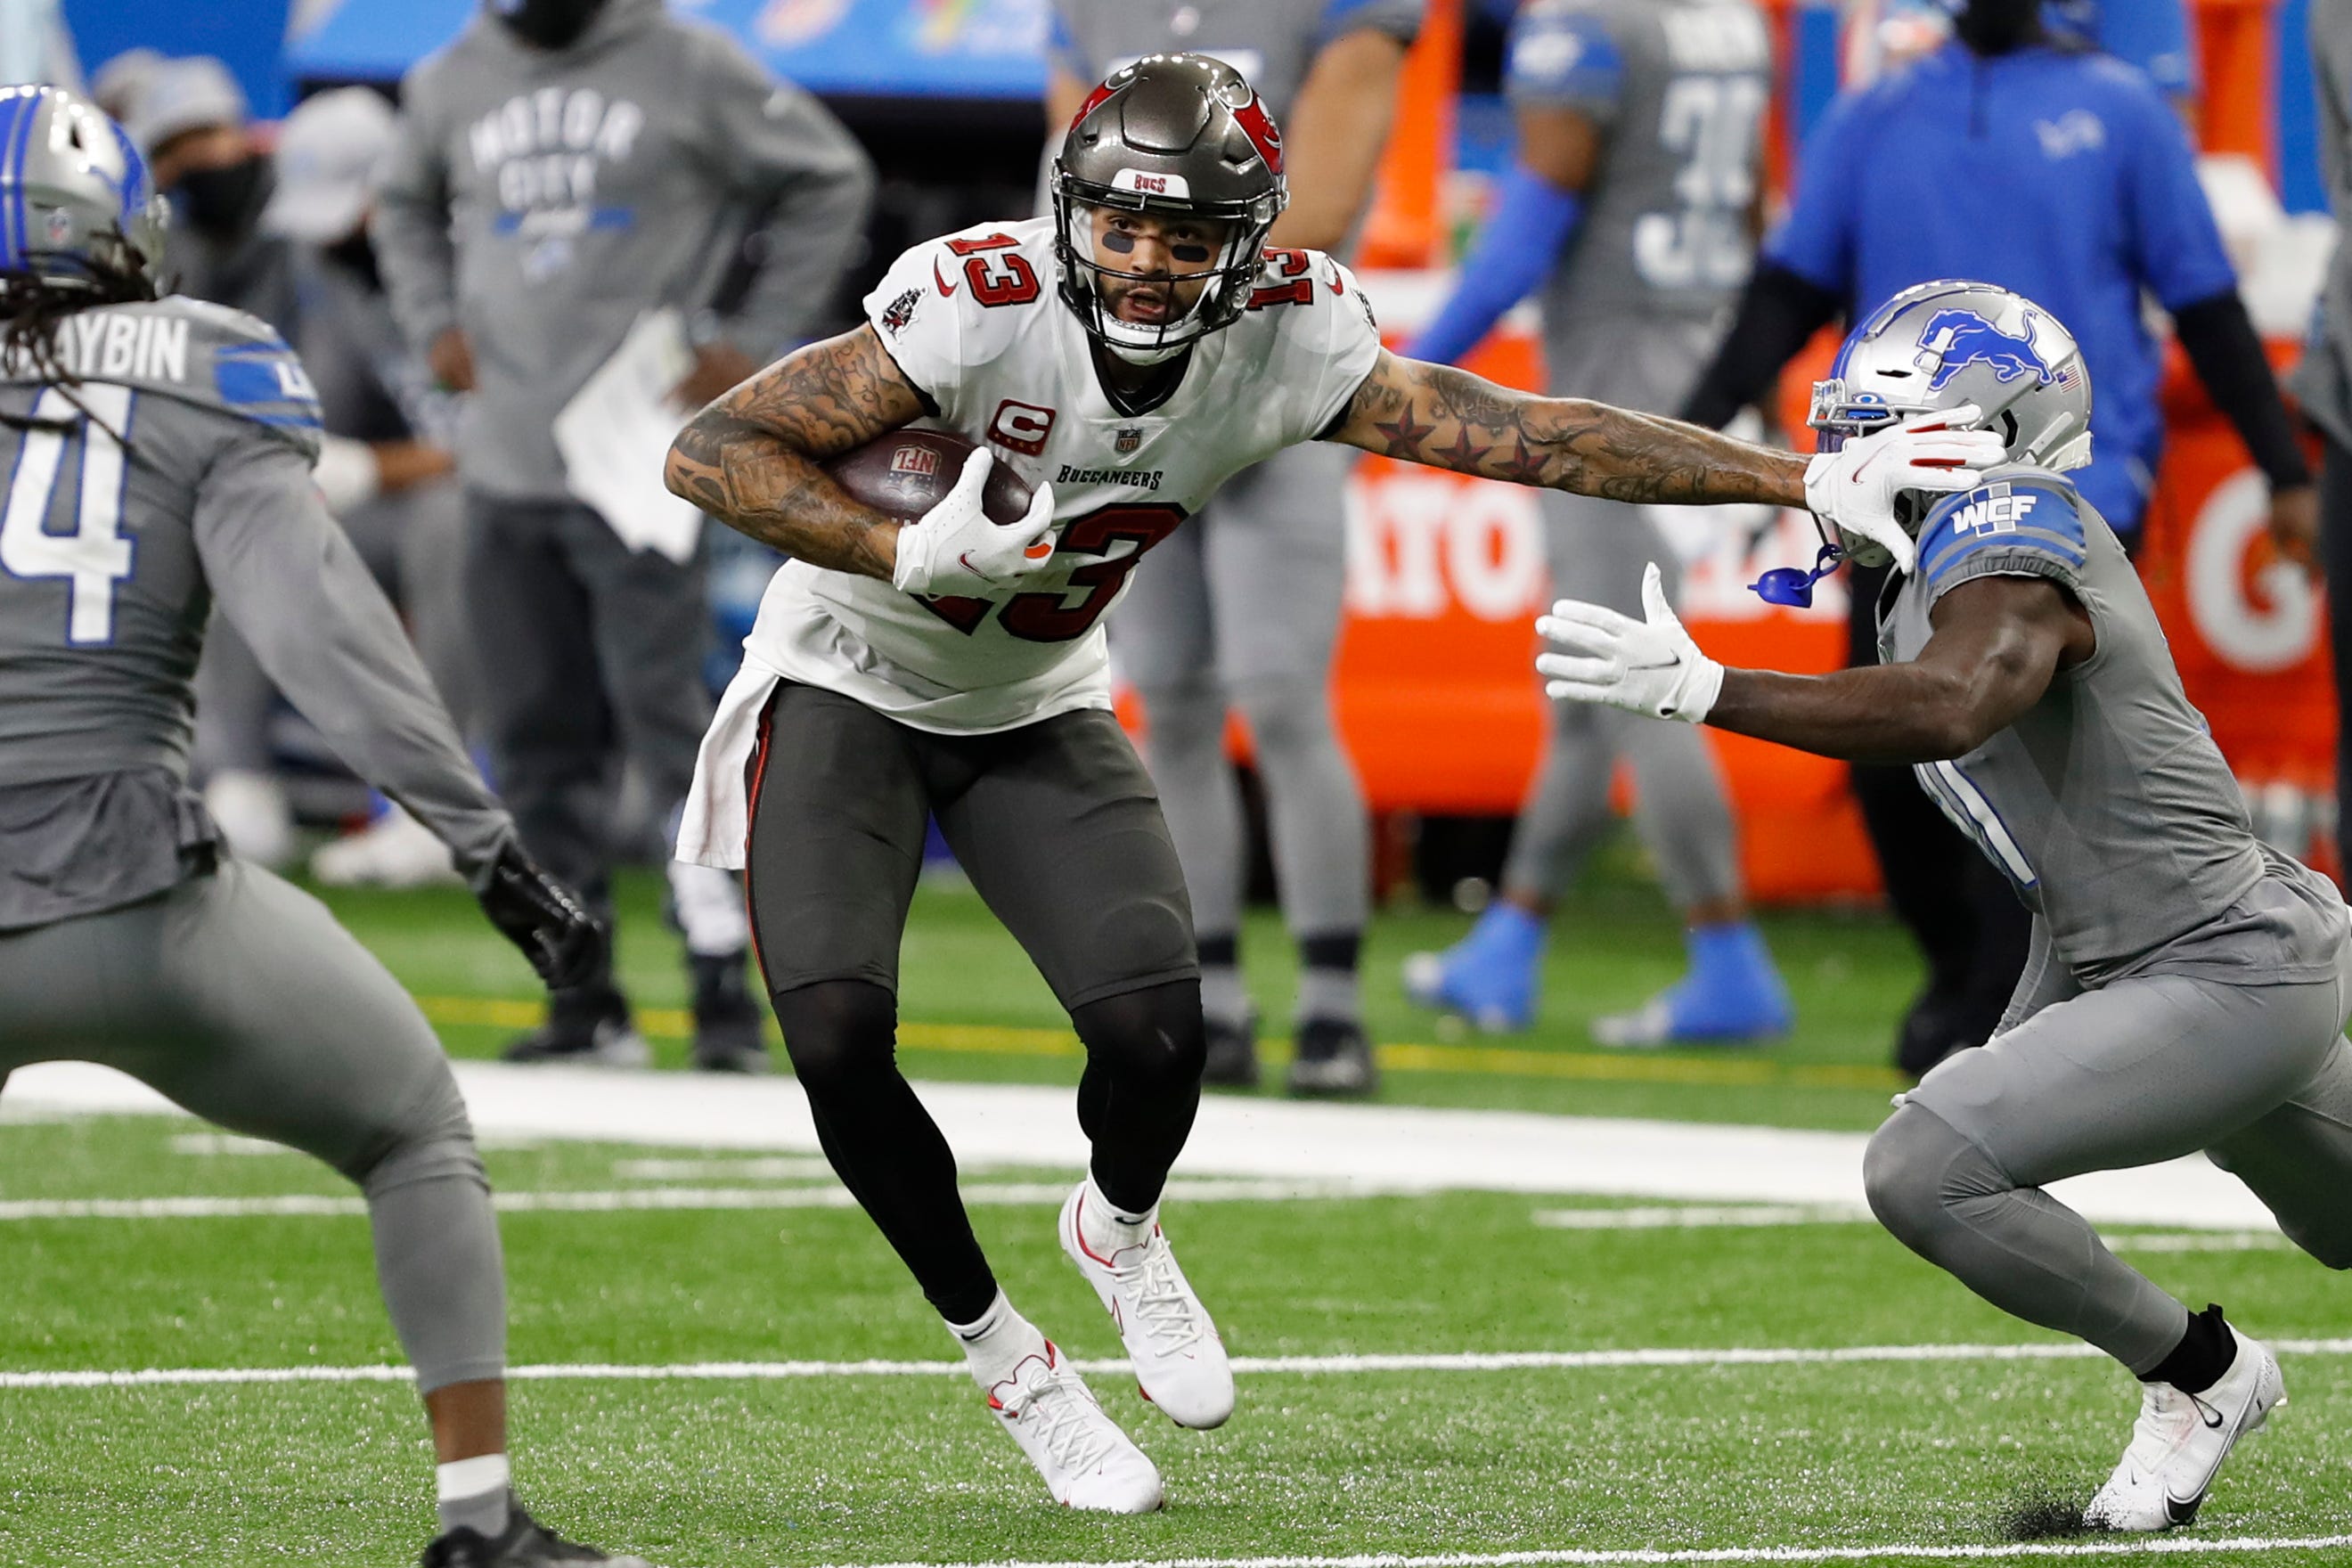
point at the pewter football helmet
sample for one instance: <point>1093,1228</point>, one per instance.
<point>1941,345</point>
<point>79,212</point>
<point>1181,136</point>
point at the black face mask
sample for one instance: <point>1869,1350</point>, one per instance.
<point>357,254</point>
<point>547,23</point>
<point>219,202</point>
<point>1998,26</point>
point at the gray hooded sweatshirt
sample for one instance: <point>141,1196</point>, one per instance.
<point>543,199</point>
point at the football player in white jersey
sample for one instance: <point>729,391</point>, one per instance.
<point>1124,356</point>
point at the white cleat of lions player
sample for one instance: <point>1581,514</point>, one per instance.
<point>1179,1360</point>
<point>2180,1440</point>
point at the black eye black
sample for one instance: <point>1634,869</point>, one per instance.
<point>1118,242</point>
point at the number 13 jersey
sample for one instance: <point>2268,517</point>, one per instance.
<point>974,322</point>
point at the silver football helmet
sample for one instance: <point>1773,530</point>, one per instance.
<point>79,212</point>
<point>1942,346</point>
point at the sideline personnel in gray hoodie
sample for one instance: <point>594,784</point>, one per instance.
<point>562,167</point>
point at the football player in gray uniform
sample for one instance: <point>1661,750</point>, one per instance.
<point>1242,610</point>
<point>162,452</point>
<point>1630,203</point>
<point>2188,985</point>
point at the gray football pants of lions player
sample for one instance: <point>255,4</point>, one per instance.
<point>1239,609</point>
<point>238,997</point>
<point>2147,1069</point>
<point>1597,550</point>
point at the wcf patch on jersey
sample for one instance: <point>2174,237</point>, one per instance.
<point>1994,509</point>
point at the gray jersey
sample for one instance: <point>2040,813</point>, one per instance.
<point>543,200</point>
<point>2107,803</point>
<point>114,555</point>
<point>2324,381</point>
<point>1272,42</point>
<point>1679,90</point>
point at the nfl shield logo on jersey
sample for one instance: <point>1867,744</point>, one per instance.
<point>1127,440</point>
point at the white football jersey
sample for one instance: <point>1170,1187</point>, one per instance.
<point>973,322</point>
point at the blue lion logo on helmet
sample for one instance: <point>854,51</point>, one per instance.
<point>1962,338</point>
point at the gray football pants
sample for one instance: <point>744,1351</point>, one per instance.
<point>1240,608</point>
<point>2148,1069</point>
<point>591,656</point>
<point>1597,550</point>
<point>238,997</point>
<point>414,546</point>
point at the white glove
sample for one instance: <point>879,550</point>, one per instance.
<point>1853,487</point>
<point>1648,667</point>
<point>954,550</point>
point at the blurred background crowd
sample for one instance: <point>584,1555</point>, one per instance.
<point>1331,676</point>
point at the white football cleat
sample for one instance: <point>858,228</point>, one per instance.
<point>396,851</point>
<point>2180,1440</point>
<point>1086,1461</point>
<point>1179,1360</point>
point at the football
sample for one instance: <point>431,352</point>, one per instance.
<point>905,473</point>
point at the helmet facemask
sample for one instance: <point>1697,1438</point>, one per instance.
<point>1940,346</point>
<point>1172,139</point>
<point>1224,263</point>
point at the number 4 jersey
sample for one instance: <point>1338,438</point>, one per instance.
<point>974,322</point>
<point>102,597</point>
<point>168,473</point>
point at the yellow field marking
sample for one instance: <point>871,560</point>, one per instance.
<point>1485,1062</point>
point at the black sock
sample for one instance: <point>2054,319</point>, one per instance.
<point>2200,1358</point>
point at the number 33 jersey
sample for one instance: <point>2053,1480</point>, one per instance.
<point>974,322</point>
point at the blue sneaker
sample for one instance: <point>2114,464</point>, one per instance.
<point>1732,996</point>
<point>1489,976</point>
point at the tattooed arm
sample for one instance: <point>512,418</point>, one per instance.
<point>751,460</point>
<point>1447,418</point>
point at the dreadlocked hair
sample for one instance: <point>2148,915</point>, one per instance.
<point>33,305</point>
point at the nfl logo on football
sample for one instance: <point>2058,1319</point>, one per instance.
<point>911,467</point>
<point>1127,440</point>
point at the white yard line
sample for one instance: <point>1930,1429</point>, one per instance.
<point>343,1206</point>
<point>1570,1557</point>
<point>1260,1366</point>
<point>1694,1216</point>
<point>1388,1147</point>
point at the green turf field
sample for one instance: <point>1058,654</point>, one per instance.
<point>974,1008</point>
<point>1942,1447</point>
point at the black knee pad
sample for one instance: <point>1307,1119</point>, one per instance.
<point>1151,1036</point>
<point>837,1031</point>
<point>1916,1167</point>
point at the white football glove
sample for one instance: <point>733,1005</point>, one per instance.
<point>1648,666</point>
<point>1853,487</point>
<point>954,550</point>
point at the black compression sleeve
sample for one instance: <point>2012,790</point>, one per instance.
<point>1778,312</point>
<point>2222,343</point>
